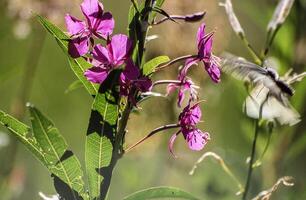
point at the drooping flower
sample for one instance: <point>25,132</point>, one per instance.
<point>98,23</point>
<point>183,85</point>
<point>131,79</point>
<point>210,61</point>
<point>188,119</point>
<point>105,59</point>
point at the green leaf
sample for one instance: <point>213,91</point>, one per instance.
<point>133,18</point>
<point>160,192</point>
<point>78,65</point>
<point>60,161</point>
<point>101,136</point>
<point>149,67</point>
<point>158,4</point>
<point>73,86</point>
<point>22,133</point>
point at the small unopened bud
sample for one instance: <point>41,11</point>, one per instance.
<point>195,17</point>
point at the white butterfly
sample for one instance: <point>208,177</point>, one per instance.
<point>270,90</point>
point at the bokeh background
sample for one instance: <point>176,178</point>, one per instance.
<point>34,69</point>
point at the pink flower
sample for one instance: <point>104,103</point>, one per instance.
<point>188,119</point>
<point>107,58</point>
<point>97,24</point>
<point>131,79</point>
<point>190,116</point>
<point>211,62</point>
<point>184,84</point>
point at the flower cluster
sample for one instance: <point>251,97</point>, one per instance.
<point>188,119</point>
<point>211,65</point>
<point>211,62</point>
<point>183,84</point>
<point>98,24</point>
<point>116,52</point>
<point>191,115</point>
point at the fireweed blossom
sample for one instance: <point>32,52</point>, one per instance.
<point>210,61</point>
<point>105,59</point>
<point>131,79</point>
<point>98,23</point>
<point>184,84</point>
<point>188,119</point>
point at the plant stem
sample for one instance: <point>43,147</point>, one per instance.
<point>248,181</point>
<point>250,171</point>
<point>119,139</point>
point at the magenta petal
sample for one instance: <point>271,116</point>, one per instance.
<point>124,85</point>
<point>100,55</point>
<point>96,74</point>
<point>120,48</point>
<point>196,113</point>
<point>92,9</point>
<point>131,71</point>
<point>181,97</point>
<point>213,71</point>
<point>189,62</point>
<point>171,142</point>
<point>208,45</point>
<point>74,25</point>
<point>196,139</point>
<point>171,87</point>
<point>78,47</point>
<point>144,84</point>
<point>104,25</point>
<point>206,48</point>
<point>201,34</point>
<point>190,116</point>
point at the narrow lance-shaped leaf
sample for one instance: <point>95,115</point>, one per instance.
<point>78,65</point>
<point>233,18</point>
<point>280,14</point>
<point>61,162</point>
<point>158,4</point>
<point>149,67</point>
<point>22,133</point>
<point>160,193</point>
<point>133,26</point>
<point>100,137</point>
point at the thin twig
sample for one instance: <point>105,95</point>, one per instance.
<point>266,194</point>
<point>223,165</point>
<point>162,128</point>
<point>174,61</point>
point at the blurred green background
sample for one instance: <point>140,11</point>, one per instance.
<point>24,45</point>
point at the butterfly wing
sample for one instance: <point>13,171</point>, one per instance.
<point>242,69</point>
<point>246,71</point>
<point>272,109</point>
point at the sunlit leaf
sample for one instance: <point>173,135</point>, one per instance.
<point>149,67</point>
<point>100,136</point>
<point>22,133</point>
<point>61,162</point>
<point>78,65</point>
<point>161,193</point>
